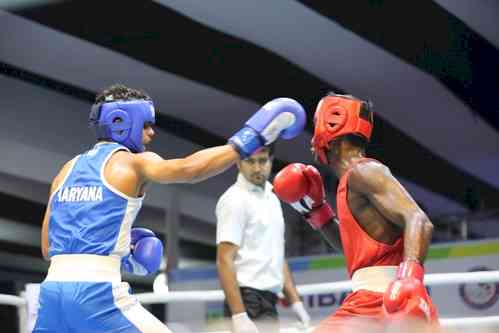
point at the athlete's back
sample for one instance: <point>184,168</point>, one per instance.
<point>88,215</point>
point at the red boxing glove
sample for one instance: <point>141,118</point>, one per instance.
<point>406,297</point>
<point>302,187</point>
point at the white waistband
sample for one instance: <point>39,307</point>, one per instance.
<point>84,268</point>
<point>375,278</point>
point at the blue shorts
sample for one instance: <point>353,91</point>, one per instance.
<point>86,307</point>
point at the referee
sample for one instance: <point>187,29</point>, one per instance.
<point>250,249</point>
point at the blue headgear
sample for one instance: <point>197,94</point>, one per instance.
<point>122,121</point>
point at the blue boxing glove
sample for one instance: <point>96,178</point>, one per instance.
<point>281,117</point>
<point>145,254</point>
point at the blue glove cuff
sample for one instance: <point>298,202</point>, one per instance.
<point>246,141</point>
<point>131,265</point>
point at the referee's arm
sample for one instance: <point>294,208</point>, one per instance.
<point>230,229</point>
<point>226,252</point>
<point>289,287</point>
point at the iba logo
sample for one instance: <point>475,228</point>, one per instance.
<point>479,296</point>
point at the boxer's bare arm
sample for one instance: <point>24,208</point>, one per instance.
<point>45,224</point>
<point>191,169</point>
<point>390,198</point>
<point>226,253</point>
<point>330,232</point>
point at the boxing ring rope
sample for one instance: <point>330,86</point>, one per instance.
<point>12,300</point>
<point>217,295</point>
<point>468,322</point>
<point>22,309</point>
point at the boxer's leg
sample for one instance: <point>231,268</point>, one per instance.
<point>360,312</point>
<point>136,314</point>
<point>106,308</point>
<point>50,317</point>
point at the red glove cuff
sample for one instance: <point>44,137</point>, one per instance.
<point>320,216</point>
<point>410,268</point>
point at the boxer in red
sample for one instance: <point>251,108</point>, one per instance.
<point>382,232</point>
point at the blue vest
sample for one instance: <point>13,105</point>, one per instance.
<point>88,215</point>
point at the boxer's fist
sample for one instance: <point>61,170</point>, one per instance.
<point>281,117</point>
<point>146,252</point>
<point>406,297</point>
<point>301,186</point>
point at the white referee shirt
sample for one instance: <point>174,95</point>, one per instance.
<point>251,217</point>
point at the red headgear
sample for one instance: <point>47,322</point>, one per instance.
<point>338,115</point>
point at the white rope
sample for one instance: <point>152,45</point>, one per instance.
<point>12,300</point>
<point>458,278</point>
<point>217,295</point>
<point>181,296</point>
<point>476,322</point>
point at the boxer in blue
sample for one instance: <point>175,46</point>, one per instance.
<point>87,229</point>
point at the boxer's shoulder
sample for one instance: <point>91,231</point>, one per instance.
<point>368,176</point>
<point>63,172</point>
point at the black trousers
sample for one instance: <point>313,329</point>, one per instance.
<point>261,308</point>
